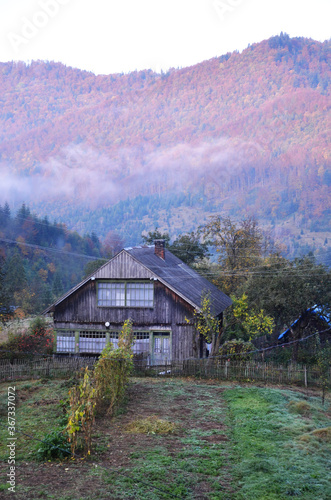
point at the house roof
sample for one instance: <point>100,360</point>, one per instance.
<point>173,273</point>
<point>181,278</point>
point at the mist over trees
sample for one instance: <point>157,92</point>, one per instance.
<point>126,147</point>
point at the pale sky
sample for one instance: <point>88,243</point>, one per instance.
<point>113,36</point>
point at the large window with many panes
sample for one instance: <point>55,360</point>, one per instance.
<point>125,294</point>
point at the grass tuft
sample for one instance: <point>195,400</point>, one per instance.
<point>323,435</point>
<point>152,425</point>
<point>300,407</point>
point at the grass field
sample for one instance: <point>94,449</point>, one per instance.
<point>177,438</point>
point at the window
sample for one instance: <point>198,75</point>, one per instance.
<point>65,342</point>
<point>92,341</point>
<point>141,343</point>
<point>125,294</point>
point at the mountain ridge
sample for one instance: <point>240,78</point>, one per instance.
<point>246,133</point>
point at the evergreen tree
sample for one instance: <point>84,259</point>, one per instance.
<point>15,278</point>
<point>5,308</point>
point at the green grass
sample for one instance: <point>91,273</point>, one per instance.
<point>271,461</point>
<point>225,443</point>
<point>37,413</point>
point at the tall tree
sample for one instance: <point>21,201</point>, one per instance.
<point>156,235</point>
<point>239,246</point>
<point>5,307</point>
<point>189,248</point>
<point>287,289</point>
<point>15,279</point>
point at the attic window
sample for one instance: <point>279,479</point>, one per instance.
<point>125,294</point>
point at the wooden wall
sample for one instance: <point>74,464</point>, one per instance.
<point>80,311</point>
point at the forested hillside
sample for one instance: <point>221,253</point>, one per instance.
<point>40,260</point>
<point>244,133</point>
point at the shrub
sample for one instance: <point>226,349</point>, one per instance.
<point>113,369</point>
<point>37,339</point>
<point>238,350</point>
<point>55,445</point>
<point>82,399</point>
<point>105,387</point>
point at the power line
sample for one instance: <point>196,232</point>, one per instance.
<point>50,249</point>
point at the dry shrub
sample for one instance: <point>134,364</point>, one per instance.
<point>152,425</point>
<point>299,407</point>
<point>323,434</point>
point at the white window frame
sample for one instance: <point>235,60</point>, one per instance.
<point>133,294</point>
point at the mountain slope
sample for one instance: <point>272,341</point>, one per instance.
<point>242,133</point>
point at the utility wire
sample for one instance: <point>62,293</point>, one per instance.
<point>50,249</point>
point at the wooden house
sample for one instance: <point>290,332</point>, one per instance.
<point>148,285</point>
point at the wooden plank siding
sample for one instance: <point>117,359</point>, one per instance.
<point>123,266</point>
<point>79,310</point>
<point>177,292</point>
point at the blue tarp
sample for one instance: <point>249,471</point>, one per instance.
<point>317,310</point>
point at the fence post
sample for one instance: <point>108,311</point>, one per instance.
<point>306,381</point>
<point>226,368</point>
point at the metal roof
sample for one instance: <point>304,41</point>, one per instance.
<point>174,274</point>
<point>181,278</point>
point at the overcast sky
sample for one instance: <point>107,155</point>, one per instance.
<point>111,36</point>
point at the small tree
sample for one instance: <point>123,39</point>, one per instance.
<point>248,324</point>
<point>207,325</point>
<point>238,350</point>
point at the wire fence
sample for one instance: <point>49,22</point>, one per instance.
<point>208,368</point>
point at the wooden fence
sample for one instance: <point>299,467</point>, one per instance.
<point>43,367</point>
<point>248,371</point>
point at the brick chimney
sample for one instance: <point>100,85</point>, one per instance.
<point>160,248</point>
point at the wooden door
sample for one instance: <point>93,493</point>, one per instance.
<point>161,349</point>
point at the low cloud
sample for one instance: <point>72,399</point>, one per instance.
<point>82,175</point>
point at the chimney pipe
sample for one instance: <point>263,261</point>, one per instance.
<point>159,249</point>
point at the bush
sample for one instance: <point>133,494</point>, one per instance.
<point>37,339</point>
<point>238,350</point>
<point>103,388</point>
<point>55,445</point>
<point>113,369</point>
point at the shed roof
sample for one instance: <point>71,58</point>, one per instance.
<point>315,310</point>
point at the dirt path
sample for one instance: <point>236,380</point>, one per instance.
<point>192,463</point>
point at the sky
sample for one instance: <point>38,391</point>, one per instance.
<point>119,36</point>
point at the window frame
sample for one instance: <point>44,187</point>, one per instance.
<point>126,299</point>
